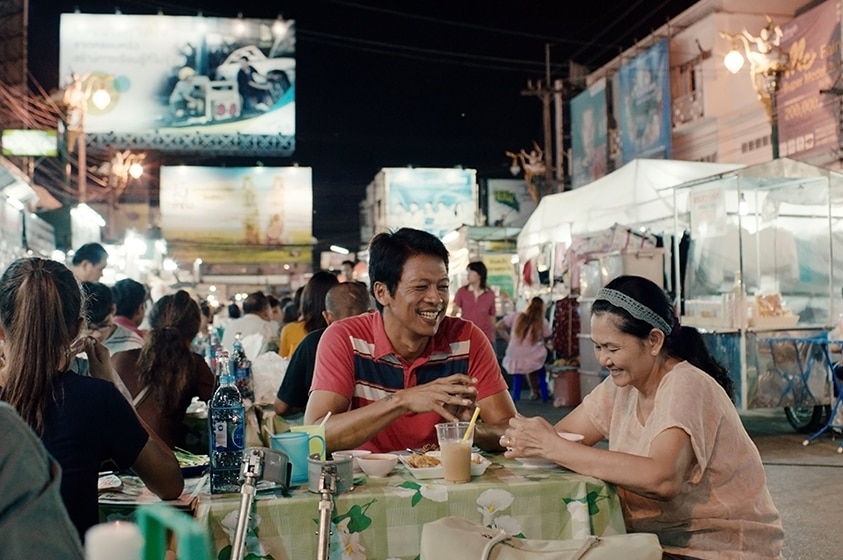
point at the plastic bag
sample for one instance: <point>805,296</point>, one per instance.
<point>268,371</point>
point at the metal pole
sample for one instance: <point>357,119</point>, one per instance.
<point>327,488</point>
<point>546,94</point>
<point>773,87</point>
<point>558,87</point>
<point>82,153</point>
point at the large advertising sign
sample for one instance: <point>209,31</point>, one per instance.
<point>808,119</point>
<point>191,77</point>
<point>509,202</point>
<point>644,111</point>
<point>237,214</point>
<point>433,200</point>
<point>589,134</point>
<point>35,143</point>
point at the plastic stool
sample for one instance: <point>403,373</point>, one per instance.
<point>517,380</point>
<point>155,519</point>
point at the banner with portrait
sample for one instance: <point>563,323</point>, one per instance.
<point>434,200</point>
<point>237,214</point>
<point>644,113</point>
<point>186,81</point>
<point>589,134</point>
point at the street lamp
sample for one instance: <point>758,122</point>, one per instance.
<point>77,94</point>
<point>767,63</point>
<point>123,166</point>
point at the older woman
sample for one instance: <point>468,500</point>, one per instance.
<point>685,467</point>
<point>82,421</point>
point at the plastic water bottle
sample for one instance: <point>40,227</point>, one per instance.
<point>241,368</point>
<point>227,437</point>
<point>212,348</point>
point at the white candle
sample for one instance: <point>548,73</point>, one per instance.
<point>118,540</point>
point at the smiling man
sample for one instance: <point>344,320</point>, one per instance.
<point>388,377</point>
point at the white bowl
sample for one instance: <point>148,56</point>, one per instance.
<point>377,464</point>
<point>536,463</point>
<point>570,436</point>
<point>353,453</point>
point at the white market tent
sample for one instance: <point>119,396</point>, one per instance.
<point>639,192</point>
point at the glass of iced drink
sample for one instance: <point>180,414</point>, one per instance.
<point>455,451</point>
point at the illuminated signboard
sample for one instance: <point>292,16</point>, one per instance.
<point>237,214</point>
<point>187,81</point>
<point>29,143</point>
<point>644,114</point>
<point>433,200</point>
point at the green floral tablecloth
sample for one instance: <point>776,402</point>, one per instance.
<point>382,518</point>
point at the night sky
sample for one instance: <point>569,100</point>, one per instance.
<point>391,84</point>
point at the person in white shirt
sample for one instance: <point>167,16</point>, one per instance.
<point>255,320</point>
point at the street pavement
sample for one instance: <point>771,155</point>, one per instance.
<point>806,483</point>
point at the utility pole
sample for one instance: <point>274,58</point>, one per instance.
<point>546,92</point>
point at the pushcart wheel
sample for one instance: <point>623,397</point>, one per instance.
<point>807,419</point>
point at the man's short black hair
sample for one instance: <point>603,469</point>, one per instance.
<point>128,296</point>
<point>98,302</point>
<point>389,251</point>
<point>94,253</point>
<point>255,302</point>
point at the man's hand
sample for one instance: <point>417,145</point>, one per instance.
<point>450,397</point>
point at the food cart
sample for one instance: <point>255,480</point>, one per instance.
<point>762,281</point>
<point>619,224</point>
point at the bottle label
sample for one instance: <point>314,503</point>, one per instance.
<point>238,439</point>
<point>220,435</point>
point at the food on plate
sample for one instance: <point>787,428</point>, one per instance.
<point>421,461</point>
<point>188,459</point>
<point>770,305</point>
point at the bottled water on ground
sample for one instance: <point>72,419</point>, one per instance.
<point>227,418</point>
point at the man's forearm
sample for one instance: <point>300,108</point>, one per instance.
<point>487,436</point>
<point>349,430</point>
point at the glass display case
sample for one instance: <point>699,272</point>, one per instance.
<point>763,276</point>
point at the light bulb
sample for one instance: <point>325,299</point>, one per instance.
<point>101,98</point>
<point>733,61</point>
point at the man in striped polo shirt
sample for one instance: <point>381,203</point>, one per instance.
<point>388,377</point>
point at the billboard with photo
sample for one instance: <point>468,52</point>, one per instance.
<point>25,142</point>
<point>509,202</point>
<point>644,112</point>
<point>434,200</point>
<point>589,134</point>
<point>237,214</point>
<point>192,77</point>
<point>809,119</point>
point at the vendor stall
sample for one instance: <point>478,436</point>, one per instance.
<point>762,281</point>
<point>615,225</point>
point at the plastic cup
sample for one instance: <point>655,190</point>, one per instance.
<point>455,451</point>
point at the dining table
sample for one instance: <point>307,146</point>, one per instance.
<point>382,518</point>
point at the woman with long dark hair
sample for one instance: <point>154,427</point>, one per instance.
<point>312,307</point>
<point>166,374</point>
<point>526,350</point>
<point>82,421</point>
<point>684,466</point>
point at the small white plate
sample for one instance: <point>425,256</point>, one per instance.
<point>436,472</point>
<point>536,463</point>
